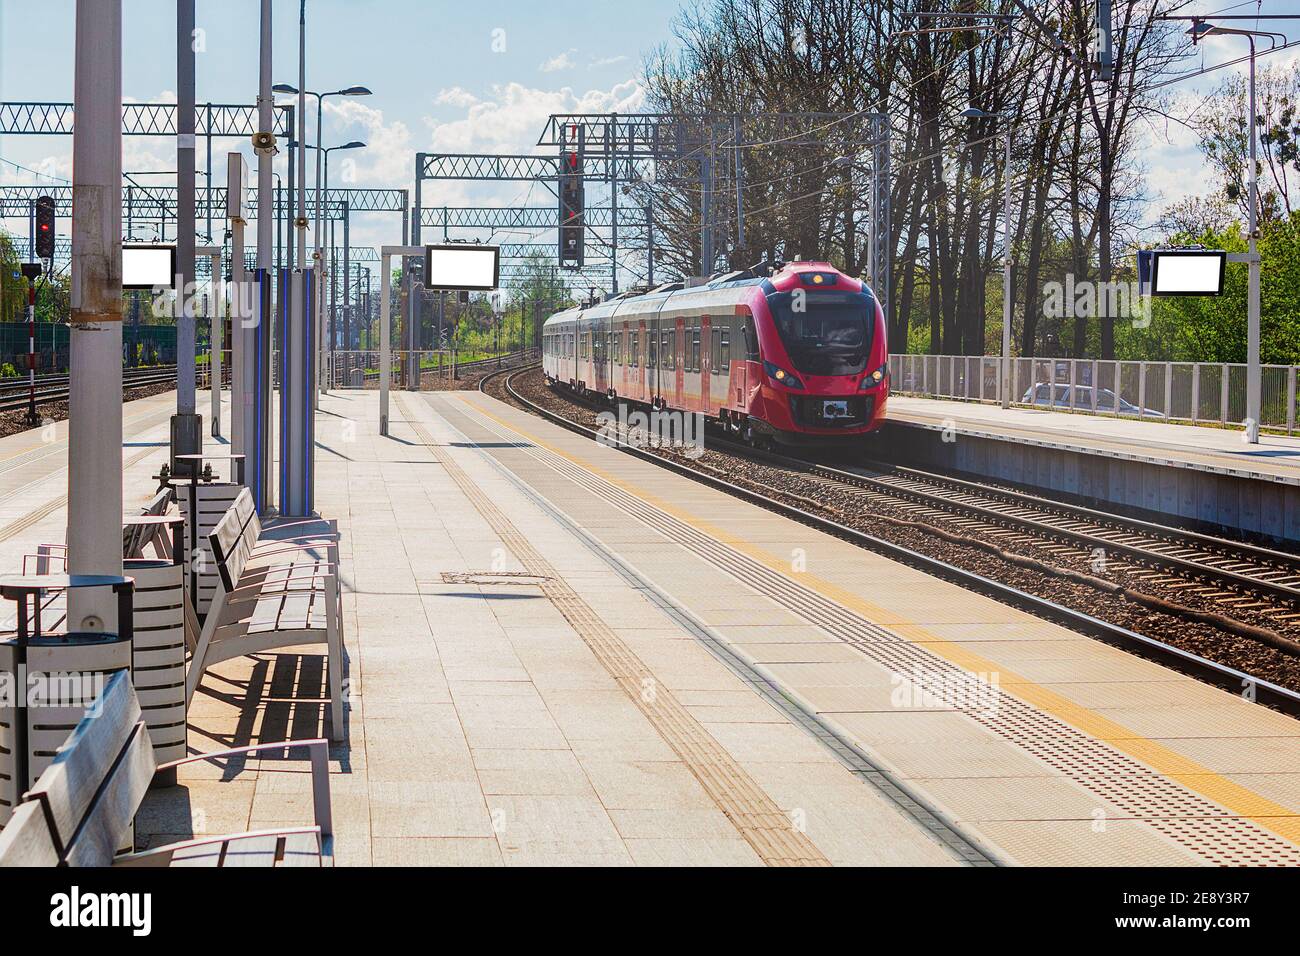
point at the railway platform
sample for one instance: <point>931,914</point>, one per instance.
<point>559,653</point>
<point>1206,476</point>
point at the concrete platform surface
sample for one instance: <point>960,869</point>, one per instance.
<point>1220,450</point>
<point>557,654</point>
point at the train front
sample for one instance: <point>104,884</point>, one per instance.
<point>824,354</point>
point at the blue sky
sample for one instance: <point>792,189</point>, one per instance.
<point>438,83</point>
<point>440,78</point>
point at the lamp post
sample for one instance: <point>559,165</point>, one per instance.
<point>326,340</point>
<point>974,113</point>
<point>1254,402</point>
<point>300,92</point>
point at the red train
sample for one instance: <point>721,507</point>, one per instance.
<point>796,357</point>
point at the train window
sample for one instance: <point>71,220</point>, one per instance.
<point>695,349</point>
<point>724,350</point>
<point>618,348</point>
<point>715,355</point>
<point>751,340</point>
<point>634,348</point>
<point>652,342</point>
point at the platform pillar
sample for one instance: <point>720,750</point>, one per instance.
<point>95,405</point>
<point>298,353</point>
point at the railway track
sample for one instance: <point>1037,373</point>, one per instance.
<point>1209,565</point>
<point>14,397</point>
<point>441,370</point>
<point>1237,575</point>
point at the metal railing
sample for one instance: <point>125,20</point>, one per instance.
<point>360,369</point>
<point>1207,392</point>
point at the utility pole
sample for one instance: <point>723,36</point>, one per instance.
<point>1006,268</point>
<point>1202,27</point>
<point>1254,404</point>
<point>611,150</point>
<point>649,247</point>
<point>187,425</point>
<point>302,136</point>
<point>347,279</point>
<point>265,147</point>
<point>95,406</point>
<point>706,209</point>
<point>740,182</point>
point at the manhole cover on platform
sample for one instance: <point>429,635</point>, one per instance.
<point>493,577</point>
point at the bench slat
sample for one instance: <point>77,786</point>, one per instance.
<point>26,839</point>
<point>70,783</point>
<point>109,819</point>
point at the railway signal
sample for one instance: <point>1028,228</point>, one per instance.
<point>45,227</point>
<point>572,225</point>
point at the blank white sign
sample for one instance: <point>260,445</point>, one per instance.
<point>145,267</point>
<point>473,268</point>
<point>1188,274</point>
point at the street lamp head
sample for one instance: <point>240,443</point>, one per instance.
<point>356,91</point>
<point>284,88</point>
<point>355,144</point>
<point>972,112</point>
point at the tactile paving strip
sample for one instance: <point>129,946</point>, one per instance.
<point>759,820</point>
<point>1135,790</point>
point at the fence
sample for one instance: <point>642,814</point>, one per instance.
<point>1172,391</point>
<point>141,344</point>
<point>360,369</point>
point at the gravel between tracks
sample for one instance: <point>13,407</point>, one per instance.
<point>13,422</point>
<point>845,506</point>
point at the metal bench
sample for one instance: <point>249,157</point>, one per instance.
<point>272,593</point>
<point>81,809</point>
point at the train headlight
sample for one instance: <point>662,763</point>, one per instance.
<point>781,376</point>
<point>875,378</point>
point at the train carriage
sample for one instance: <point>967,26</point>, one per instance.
<point>797,356</point>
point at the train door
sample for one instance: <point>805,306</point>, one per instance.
<point>706,365</point>
<point>652,361</point>
<point>679,361</point>
<point>642,363</point>
<point>599,376</point>
<point>720,363</point>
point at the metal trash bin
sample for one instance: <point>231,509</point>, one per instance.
<point>47,681</point>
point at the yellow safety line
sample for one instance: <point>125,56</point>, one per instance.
<point>1240,800</point>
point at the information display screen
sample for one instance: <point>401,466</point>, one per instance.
<point>461,267</point>
<point>1188,272</point>
<point>148,267</point>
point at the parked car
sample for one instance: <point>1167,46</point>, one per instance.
<point>1080,397</point>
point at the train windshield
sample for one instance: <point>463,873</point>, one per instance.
<point>829,335</point>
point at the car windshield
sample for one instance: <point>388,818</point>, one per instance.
<point>829,335</point>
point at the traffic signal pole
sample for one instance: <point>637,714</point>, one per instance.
<point>32,271</point>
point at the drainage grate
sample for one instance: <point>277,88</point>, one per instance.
<point>522,578</point>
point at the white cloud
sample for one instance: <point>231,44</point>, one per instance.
<point>508,119</point>
<point>606,61</point>
<point>563,61</point>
